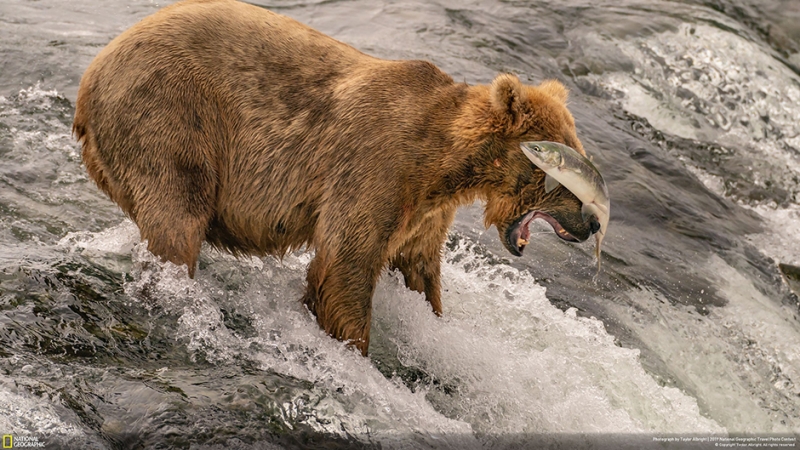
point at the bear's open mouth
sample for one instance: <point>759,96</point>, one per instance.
<point>518,234</point>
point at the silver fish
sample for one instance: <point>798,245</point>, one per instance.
<point>563,165</point>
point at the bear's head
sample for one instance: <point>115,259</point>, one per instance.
<point>510,113</point>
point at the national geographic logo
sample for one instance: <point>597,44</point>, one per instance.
<point>10,441</point>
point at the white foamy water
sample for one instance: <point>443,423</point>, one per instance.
<point>530,366</point>
<point>513,363</point>
<point>781,241</point>
<point>713,79</point>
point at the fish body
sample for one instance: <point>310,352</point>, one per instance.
<point>564,165</point>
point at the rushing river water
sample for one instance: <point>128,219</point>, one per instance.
<point>691,109</point>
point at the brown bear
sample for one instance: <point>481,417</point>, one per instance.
<point>219,121</point>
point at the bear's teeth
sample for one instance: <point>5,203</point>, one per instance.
<point>521,242</point>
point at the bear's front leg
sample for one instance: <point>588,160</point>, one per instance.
<point>422,273</point>
<point>339,294</point>
<point>420,258</point>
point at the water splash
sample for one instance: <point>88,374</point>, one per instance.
<point>502,362</point>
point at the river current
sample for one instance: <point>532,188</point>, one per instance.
<point>691,109</point>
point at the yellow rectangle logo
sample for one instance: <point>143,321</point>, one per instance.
<point>8,441</point>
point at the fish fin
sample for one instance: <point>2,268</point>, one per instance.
<point>587,211</point>
<point>550,183</point>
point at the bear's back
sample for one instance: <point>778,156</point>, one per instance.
<point>223,44</point>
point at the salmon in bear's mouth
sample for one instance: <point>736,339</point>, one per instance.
<point>518,234</point>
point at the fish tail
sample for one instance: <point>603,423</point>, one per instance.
<point>599,239</point>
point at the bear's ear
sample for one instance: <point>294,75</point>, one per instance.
<point>555,89</point>
<point>506,94</point>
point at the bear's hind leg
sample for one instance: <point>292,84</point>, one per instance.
<point>173,237</point>
<point>173,211</point>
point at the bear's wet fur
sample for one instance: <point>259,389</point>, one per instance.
<point>219,121</point>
